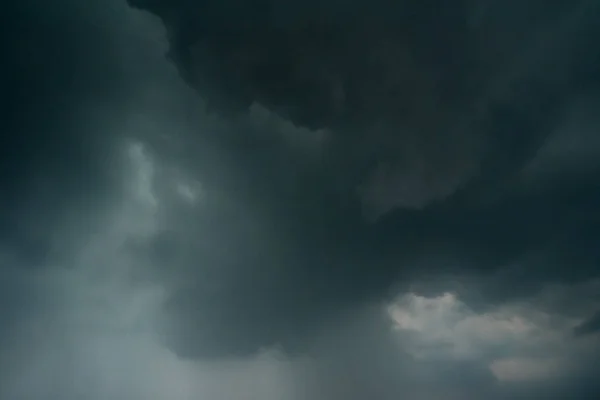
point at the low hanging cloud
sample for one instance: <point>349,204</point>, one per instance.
<point>152,247</point>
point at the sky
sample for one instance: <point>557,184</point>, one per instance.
<point>154,248</point>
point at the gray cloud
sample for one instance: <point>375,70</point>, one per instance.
<point>590,326</point>
<point>504,223</point>
<point>154,248</point>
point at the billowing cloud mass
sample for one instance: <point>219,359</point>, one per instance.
<point>300,200</point>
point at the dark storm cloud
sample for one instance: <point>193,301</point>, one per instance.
<point>483,94</point>
<point>177,248</point>
<point>469,200</point>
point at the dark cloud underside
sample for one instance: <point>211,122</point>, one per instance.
<point>299,199</point>
<point>447,176</point>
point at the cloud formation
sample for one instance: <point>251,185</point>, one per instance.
<point>155,248</point>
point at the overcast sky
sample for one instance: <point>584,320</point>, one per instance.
<point>141,257</point>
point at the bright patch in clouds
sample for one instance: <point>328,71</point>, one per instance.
<point>518,342</point>
<point>526,369</point>
<point>446,320</point>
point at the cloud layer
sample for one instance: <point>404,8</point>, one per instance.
<point>153,248</point>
